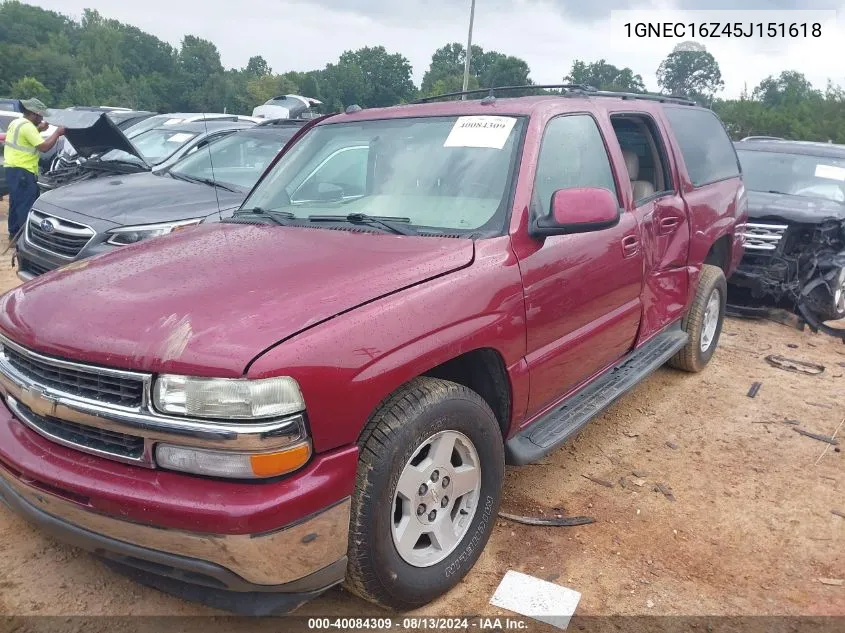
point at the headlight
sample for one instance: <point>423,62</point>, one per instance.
<point>227,398</point>
<point>131,234</point>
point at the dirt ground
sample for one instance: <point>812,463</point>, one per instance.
<point>750,528</point>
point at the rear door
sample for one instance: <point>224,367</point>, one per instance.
<point>662,215</point>
<point>711,184</point>
<point>582,291</point>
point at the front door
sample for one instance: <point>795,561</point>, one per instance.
<point>582,291</point>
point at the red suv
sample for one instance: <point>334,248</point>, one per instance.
<point>327,386</point>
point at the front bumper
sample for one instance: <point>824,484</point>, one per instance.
<point>200,578</point>
<point>210,543</point>
<point>34,260</point>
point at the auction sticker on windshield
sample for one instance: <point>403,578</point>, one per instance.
<point>480,131</point>
<point>830,172</point>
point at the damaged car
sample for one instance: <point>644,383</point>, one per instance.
<point>107,151</point>
<point>795,237</point>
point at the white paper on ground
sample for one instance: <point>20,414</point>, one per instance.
<point>535,598</point>
<point>480,131</point>
<point>830,171</point>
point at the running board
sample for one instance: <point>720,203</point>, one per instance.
<point>558,425</point>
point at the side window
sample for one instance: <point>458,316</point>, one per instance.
<point>645,155</point>
<point>345,168</point>
<point>572,155</point>
<point>708,152</point>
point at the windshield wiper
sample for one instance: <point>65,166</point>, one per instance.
<point>203,181</point>
<point>387,222</point>
<point>278,217</point>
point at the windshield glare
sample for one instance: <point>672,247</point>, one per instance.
<point>794,174</point>
<point>156,146</point>
<point>150,123</point>
<point>444,173</point>
<point>238,160</point>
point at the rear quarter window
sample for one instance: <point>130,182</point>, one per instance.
<point>708,152</point>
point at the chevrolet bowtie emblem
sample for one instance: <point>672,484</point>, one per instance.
<point>38,401</point>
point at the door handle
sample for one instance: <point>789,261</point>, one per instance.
<point>630,246</point>
<point>669,224</point>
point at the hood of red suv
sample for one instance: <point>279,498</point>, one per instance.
<point>208,300</point>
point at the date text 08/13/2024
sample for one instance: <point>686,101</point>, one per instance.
<point>419,623</point>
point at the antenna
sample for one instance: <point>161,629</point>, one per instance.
<point>211,162</point>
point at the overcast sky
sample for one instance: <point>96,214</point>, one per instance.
<point>548,34</point>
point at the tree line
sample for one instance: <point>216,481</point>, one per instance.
<point>100,61</point>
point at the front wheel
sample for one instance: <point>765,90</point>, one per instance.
<point>427,493</point>
<point>827,301</point>
<point>704,320</point>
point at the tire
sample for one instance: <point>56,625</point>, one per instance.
<point>692,357</point>
<point>823,304</point>
<point>405,428</point>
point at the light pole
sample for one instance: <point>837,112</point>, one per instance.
<point>469,49</point>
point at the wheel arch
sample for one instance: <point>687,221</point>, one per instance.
<point>482,370</point>
<point>720,253</point>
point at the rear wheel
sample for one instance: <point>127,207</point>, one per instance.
<point>704,321</point>
<point>427,492</point>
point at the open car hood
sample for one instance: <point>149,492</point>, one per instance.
<point>92,133</point>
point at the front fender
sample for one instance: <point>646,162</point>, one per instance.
<point>347,365</point>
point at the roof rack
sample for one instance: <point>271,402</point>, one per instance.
<point>566,89</point>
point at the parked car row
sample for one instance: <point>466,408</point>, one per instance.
<point>125,198</point>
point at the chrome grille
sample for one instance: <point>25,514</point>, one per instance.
<point>81,436</point>
<point>85,383</point>
<point>56,235</point>
<point>763,236</point>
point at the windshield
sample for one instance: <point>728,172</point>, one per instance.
<point>444,173</point>
<point>794,174</point>
<point>238,160</point>
<point>156,146</point>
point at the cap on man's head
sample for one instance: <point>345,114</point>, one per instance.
<point>35,106</point>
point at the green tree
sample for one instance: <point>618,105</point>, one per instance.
<point>257,66</point>
<point>691,73</point>
<point>448,61</point>
<point>453,83</point>
<point>507,71</point>
<point>790,88</point>
<point>342,85</point>
<point>29,88</point>
<point>387,76</point>
<point>604,76</point>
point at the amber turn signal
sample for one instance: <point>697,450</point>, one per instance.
<point>281,462</point>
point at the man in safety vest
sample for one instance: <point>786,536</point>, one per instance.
<point>20,155</point>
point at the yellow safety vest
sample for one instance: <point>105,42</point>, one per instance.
<point>18,150</point>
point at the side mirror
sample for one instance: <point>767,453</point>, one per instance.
<point>580,210</point>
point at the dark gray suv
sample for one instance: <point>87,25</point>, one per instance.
<point>87,218</point>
